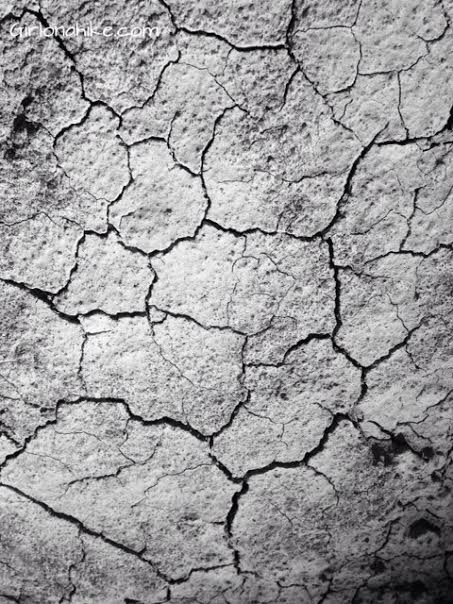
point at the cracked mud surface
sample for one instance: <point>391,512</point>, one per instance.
<point>226,277</point>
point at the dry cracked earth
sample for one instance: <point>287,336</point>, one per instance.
<point>226,317</point>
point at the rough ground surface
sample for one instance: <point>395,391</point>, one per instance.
<point>226,312</point>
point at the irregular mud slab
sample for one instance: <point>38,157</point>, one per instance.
<point>176,114</point>
<point>175,368</point>
<point>289,407</point>
<point>40,362</point>
<point>107,277</point>
<point>242,24</point>
<point>39,251</point>
<point>400,199</point>
<point>283,173</point>
<point>87,150</point>
<point>163,203</point>
<point>390,300</point>
<point>275,289</point>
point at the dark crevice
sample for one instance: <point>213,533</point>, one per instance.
<point>82,528</point>
<point>217,36</point>
<point>347,189</point>
<point>42,296</point>
<point>258,230</point>
<point>299,344</point>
